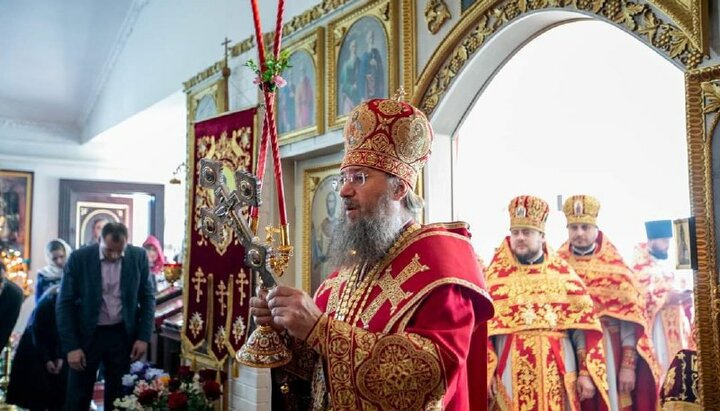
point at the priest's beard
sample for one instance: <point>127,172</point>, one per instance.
<point>532,254</point>
<point>368,239</point>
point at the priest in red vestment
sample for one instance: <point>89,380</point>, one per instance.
<point>547,351</point>
<point>665,303</point>
<point>633,371</point>
<point>401,325</point>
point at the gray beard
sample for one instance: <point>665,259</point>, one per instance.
<point>367,240</point>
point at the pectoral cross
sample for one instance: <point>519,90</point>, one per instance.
<point>242,282</point>
<point>199,280</point>
<point>222,294</point>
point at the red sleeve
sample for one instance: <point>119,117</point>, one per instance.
<point>447,318</point>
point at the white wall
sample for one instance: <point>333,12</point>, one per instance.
<point>579,110</point>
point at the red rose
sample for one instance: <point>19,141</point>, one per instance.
<point>174,384</point>
<point>147,397</point>
<point>185,373</point>
<point>207,374</point>
<point>212,390</point>
<point>177,400</point>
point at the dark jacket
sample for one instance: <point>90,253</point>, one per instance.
<point>11,299</point>
<point>31,385</point>
<point>78,306</point>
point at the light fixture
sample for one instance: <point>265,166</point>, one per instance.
<point>175,179</point>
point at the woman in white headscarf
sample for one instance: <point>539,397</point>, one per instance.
<point>57,252</point>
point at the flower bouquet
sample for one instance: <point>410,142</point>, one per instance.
<point>151,389</point>
<point>270,78</point>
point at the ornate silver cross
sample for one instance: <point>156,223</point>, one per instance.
<point>228,212</point>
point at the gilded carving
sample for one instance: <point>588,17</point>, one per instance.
<point>436,14</point>
<point>711,104</point>
<point>699,104</point>
<point>297,23</point>
<point>638,18</point>
<point>204,75</point>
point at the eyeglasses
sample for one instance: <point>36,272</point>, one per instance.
<point>357,179</point>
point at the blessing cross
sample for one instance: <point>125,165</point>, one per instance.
<point>228,212</point>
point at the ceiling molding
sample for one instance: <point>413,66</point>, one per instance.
<point>36,131</point>
<point>124,33</point>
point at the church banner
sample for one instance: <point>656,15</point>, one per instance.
<point>217,288</point>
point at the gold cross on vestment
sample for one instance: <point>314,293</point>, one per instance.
<point>199,280</point>
<point>392,288</point>
<point>222,294</point>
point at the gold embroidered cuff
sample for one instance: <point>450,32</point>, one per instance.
<point>318,334</point>
<point>582,364</point>
<point>629,358</point>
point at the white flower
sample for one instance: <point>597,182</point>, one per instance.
<point>136,367</point>
<point>128,402</point>
<point>153,373</point>
<point>128,380</point>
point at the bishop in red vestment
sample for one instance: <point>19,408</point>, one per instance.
<point>401,325</point>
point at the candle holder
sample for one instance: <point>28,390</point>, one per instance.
<point>172,272</point>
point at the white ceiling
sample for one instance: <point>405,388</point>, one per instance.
<point>55,57</point>
<point>72,69</point>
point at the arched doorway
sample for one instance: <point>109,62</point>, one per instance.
<point>460,85</point>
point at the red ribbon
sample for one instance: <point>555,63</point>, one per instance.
<point>269,125</point>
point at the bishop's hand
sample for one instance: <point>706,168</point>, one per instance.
<point>261,312</point>
<point>294,310</point>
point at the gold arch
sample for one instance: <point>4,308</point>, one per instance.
<point>641,20</point>
<point>485,19</point>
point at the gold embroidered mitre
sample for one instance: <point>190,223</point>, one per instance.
<point>528,212</point>
<point>390,136</point>
<point>581,209</point>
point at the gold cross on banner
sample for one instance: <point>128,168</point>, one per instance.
<point>199,280</point>
<point>222,294</point>
<point>242,282</point>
